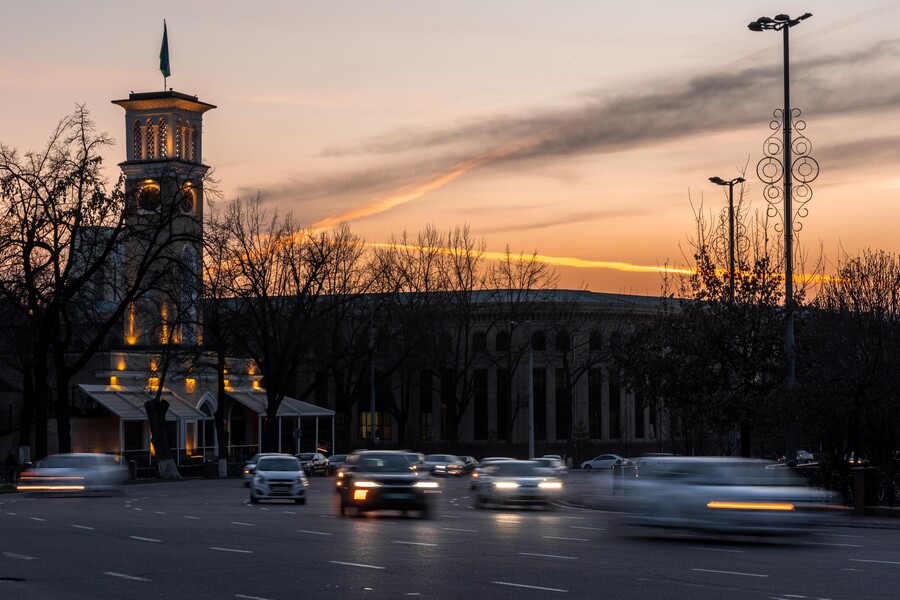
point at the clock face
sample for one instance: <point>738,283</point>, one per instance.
<point>186,200</point>
<point>148,196</point>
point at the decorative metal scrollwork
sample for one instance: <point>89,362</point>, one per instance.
<point>804,169</point>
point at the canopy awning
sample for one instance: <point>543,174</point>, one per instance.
<point>256,401</point>
<point>127,402</point>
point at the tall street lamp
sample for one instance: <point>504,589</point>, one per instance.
<point>530,388</point>
<point>730,184</point>
<point>784,23</point>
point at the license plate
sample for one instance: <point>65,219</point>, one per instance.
<point>396,496</point>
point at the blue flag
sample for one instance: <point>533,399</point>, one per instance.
<point>164,53</point>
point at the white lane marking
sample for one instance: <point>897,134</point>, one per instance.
<point>714,549</point>
<point>880,562</point>
<point>587,528</point>
<point>450,517</point>
<point>832,544</point>
<point>548,555</point>
<point>261,508</point>
<point>136,508</point>
<point>242,523</point>
<point>124,576</point>
<point>314,532</point>
<point>837,535</point>
<point>38,519</point>
<point>350,564</point>
<point>12,513</point>
<point>157,512</point>
<point>19,556</point>
<point>143,539</point>
<point>231,550</point>
<point>414,543</point>
<point>190,517</point>
<point>290,512</point>
<point>327,517</point>
<point>458,529</point>
<point>574,518</point>
<point>250,597</point>
<point>83,527</point>
<point>568,539</point>
<point>530,587</point>
<point>729,573</point>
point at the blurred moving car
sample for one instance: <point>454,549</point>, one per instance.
<point>723,495</point>
<point>482,464</point>
<point>516,482</point>
<point>604,461</point>
<point>469,463</point>
<point>278,477</point>
<point>250,466</point>
<point>313,463</point>
<point>416,459</point>
<point>335,462</point>
<point>74,473</point>
<point>444,465</point>
<point>553,466</point>
<point>385,480</point>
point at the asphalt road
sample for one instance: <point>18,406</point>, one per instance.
<point>202,539</point>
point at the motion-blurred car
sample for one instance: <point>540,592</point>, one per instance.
<point>444,465</point>
<point>604,461</point>
<point>278,477</point>
<point>250,466</point>
<point>313,463</point>
<point>516,482</point>
<point>552,466</point>
<point>384,480</point>
<point>482,464</point>
<point>469,463</point>
<point>335,462</point>
<point>723,495</point>
<point>416,459</point>
<point>74,473</point>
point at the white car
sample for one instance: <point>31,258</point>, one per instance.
<point>250,466</point>
<point>278,477</point>
<point>516,482</point>
<point>604,461</point>
<point>74,473</point>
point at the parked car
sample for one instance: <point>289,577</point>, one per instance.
<point>384,480</point>
<point>604,461</point>
<point>335,462</point>
<point>278,477</point>
<point>74,473</point>
<point>482,464</point>
<point>723,495</point>
<point>516,482</point>
<point>444,465</point>
<point>313,463</point>
<point>250,466</point>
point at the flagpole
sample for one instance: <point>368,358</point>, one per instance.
<point>164,55</point>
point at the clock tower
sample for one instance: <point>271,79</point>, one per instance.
<point>164,177</point>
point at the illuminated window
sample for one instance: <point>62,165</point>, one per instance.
<point>163,138</point>
<point>137,141</point>
<point>153,383</point>
<point>190,385</point>
<point>179,139</point>
<point>150,141</point>
<point>113,380</point>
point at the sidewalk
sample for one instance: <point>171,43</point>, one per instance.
<point>595,490</point>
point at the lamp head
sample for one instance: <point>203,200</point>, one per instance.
<point>718,180</point>
<point>755,26</point>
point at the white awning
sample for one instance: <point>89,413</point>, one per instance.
<point>127,403</point>
<point>256,401</point>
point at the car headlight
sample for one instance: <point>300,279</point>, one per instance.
<point>505,485</point>
<point>426,484</point>
<point>550,485</point>
<point>366,484</point>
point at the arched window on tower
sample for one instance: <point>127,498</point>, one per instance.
<point>193,149</point>
<point>163,138</point>
<point>137,141</point>
<point>150,141</point>
<point>179,139</point>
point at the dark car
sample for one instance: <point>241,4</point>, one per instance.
<point>313,463</point>
<point>384,480</point>
<point>335,462</point>
<point>444,465</point>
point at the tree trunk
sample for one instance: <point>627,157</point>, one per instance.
<point>156,416</point>
<point>41,402</point>
<point>63,416</point>
<point>25,419</point>
<point>219,416</point>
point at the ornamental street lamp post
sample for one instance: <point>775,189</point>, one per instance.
<point>783,23</point>
<point>730,184</point>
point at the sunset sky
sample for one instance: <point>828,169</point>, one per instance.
<point>582,130</point>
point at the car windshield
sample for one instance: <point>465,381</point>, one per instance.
<point>278,464</point>
<point>384,463</point>
<point>338,458</point>
<point>306,456</point>
<point>514,469</point>
<point>67,462</point>
<point>738,472</point>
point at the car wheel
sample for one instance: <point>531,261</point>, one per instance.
<point>477,501</point>
<point>587,467</point>
<point>299,500</point>
<point>426,512</point>
<point>254,499</point>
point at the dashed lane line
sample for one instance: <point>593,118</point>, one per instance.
<point>405,543</point>
<point>361,565</point>
<point>586,528</point>
<point>833,544</point>
<point>38,519</point>
<point>190,517</point>
<point>85,527</point>
<point>548,556</point>
<point>729,573</point>
<point>879,562</point>
<point>314,532</point>
<point>143,539</point>
<point>244,524</point>
<point>250,597</point>
<point>530,587</point>
<point>235,550</point>
<point>19,556</point>
<point>715,549</point>
<point>459,529</point>
<point>568,539</point>
<point>124,576</point>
